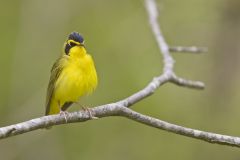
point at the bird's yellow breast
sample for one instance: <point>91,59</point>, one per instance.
<point>77,78</point>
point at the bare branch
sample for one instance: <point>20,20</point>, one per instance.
<point>202,135</point>
<point>192,49</point>
<point>164,48</point>
<point>122,108</point>
<point>187,83</point>
<point>116,109</point>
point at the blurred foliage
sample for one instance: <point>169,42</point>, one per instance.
<point>118,36</point>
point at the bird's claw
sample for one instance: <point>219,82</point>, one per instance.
<point>64,113</point>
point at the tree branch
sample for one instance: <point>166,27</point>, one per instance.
<point>191,49</point>
<point>122,108</point>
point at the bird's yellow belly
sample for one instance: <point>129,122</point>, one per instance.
<point>76,80</point>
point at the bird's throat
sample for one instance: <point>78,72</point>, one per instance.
<point>77,52</point>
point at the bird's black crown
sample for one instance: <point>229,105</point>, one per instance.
<point>76,37</point>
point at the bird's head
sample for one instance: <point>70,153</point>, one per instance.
<point>75,40</point>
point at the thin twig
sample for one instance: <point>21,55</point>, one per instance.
<point>192,49</point>
<point>122,108</point>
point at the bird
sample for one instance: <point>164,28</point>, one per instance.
<point>73,75</point>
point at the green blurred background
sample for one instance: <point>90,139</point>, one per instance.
<point>118,36</point>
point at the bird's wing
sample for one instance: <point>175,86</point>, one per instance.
<point>55,72</point>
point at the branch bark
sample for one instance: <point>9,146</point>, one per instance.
<point>122,108</point>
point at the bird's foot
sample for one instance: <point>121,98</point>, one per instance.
<point>64,113</point>
<point>89,110</point>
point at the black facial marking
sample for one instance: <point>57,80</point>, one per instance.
<point>76,37</point>
<point>67,48</point>
<point>72,44</point>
